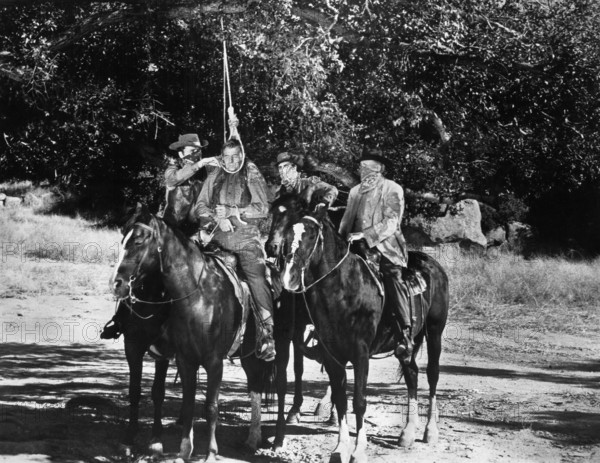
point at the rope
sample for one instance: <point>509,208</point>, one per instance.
<point>229,109</point>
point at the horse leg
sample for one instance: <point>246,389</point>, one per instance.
<point>188,383</point>
<point>325,409</point>
<point>214,376</point>
<point>434,349</point>
<point>359,402</point>
<point>134,352</point>
<point>282,347</point>
<point>337,379</point>
<point>411,374</point>
<point>294,413</point>
<point>158,397</point>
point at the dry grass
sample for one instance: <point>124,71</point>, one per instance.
<point>552,293</point>
<point>47,254</point>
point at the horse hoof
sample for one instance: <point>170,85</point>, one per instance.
<point>278,444</point>
<point>293,418</point>
<point>338,457</point>
<point>333,418</point>
<point>323,410</point>
<point>431,436</point>
<point>406,440</point>
<point>360,457</point>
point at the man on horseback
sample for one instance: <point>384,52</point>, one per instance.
<point>183,180</point>
<point>290,170</point>
<point>373,217</point>
<point>232,202</point>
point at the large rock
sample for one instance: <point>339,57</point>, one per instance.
<point>496,236</point>
<point>12,201</point>
<point>520,236</point>
<point>32,200</point>
<point>463,227</point>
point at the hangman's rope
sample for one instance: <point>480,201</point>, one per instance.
<point>233,132</point>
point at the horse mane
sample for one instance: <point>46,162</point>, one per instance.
<point>291,201</point>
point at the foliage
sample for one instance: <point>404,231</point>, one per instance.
<point>498,98</point>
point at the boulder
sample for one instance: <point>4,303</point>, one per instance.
<point>12,201</point>
<point>520,236</point>
<point>50,199</point>
<point>496,236</point>
<point>32,200</point>
<point>2,199</point>
<point>462,227</point>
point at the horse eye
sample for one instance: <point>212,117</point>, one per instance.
<point>282,209</point>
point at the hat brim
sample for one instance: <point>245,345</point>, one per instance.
<point>374,157</point>
<point>178,145</point>
<point>296,160</point>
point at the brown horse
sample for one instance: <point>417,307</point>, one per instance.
<point>352,324</point>
<point>203,321</point>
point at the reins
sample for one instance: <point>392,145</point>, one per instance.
<point>133,277</point>
<point>305,288</point>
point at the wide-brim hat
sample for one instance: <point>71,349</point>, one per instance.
<point>189,139</point>
<point>289,157</point>
<point>375,154</point>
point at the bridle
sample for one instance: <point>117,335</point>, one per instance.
<point>294,255</point>
<point>135,273</point>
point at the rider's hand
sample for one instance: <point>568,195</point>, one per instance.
<point>223,211</point>
<point>355,236</point>
<point>207,162</point>
<point>225,225</point>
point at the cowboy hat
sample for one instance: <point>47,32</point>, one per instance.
<point>289,157</point>
<point>189,139</point>
<point>375,154</point>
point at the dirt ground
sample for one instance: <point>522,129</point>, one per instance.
<point>505,394</point>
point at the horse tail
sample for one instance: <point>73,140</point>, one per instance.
<point>269,384</point>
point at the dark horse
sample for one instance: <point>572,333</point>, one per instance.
<point>291,321</point>
<point>351,323</point>
<point>143,327</point>
<point>203,321</point>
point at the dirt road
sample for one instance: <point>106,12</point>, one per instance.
<point>510,394</point>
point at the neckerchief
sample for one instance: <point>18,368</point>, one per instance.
<point>370,181</point>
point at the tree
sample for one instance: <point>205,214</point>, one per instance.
<point>490,99</point>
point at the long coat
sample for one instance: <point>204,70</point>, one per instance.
<point>378,214</point>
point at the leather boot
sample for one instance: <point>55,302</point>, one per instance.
<point>404,349</point>
<point>112,330</point>
<point>115,326</point>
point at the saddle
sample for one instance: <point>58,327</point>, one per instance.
<point>228,262</point>
<point>413,279</point>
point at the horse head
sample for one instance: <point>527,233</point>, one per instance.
<point>286,210</point>
<point>139,254</point>
<point>306,238</point>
